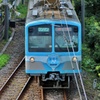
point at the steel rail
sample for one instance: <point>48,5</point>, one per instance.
<point>42,95</point>
<point>2,33</point>
<point>18,97</point>
<point>4,85</point>
<point>1,30</point>
<point>36,79</point>
<point>1,25</point>
<point>65,95</point>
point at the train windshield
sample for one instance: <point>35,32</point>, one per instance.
<point>40,38</point>
<point>66,38</point>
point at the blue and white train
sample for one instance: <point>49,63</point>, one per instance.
<point>52,42</point>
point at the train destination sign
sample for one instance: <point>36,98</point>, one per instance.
<point>64,29</point>
<point>43,29</point>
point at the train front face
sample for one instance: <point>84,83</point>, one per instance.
<point>52,47</point>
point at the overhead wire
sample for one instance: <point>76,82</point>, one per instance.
<point>76,61</point>
<point>71,60</point>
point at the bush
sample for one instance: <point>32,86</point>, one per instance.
<point>23,10</point>
<point>93,37</point>
<point>96,54</point>
<point>88,62</point>
<point>98,70</point>
<point>4,58</point>
<point>0,1</point>
<point>91,47</point>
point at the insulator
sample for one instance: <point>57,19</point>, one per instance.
<point>62,7</point>
<point>62,3</point>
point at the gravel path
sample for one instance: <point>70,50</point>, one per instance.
<point>15,85</point>
<point>16,52</point>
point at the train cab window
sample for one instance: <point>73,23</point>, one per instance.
<point>40,38</point>
<point>66,38</point>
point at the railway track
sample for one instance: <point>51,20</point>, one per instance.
<point>56,94</point>
<point>21,87</point>
<point>35,92</point>
<point>32,91</point>
<point>15,84</point>
<point>2,30</point>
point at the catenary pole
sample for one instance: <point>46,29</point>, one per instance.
<point>83,18</point>
<point>22,1</point>
<point>5,2</point>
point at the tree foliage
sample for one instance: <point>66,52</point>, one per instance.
<point>91,47</point>
<point>0,1</point>
<point>92,8</point>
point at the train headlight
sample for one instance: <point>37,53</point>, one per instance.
<point>74,59</point>
<point>32,59</point>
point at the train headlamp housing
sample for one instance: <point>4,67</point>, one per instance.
<point>32,59</point>
<point>74,59</point>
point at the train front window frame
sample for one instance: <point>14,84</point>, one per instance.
<point>66,38</point>
<point>40,38</point>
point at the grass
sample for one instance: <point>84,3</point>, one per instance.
<point>4,58</point>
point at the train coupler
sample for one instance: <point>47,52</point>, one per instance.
<point>55,80</point>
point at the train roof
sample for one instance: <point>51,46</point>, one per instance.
<point>51,9</point>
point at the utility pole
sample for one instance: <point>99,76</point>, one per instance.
<point>83,18</point>
<point>5,2</point>
<point>22,1</point>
